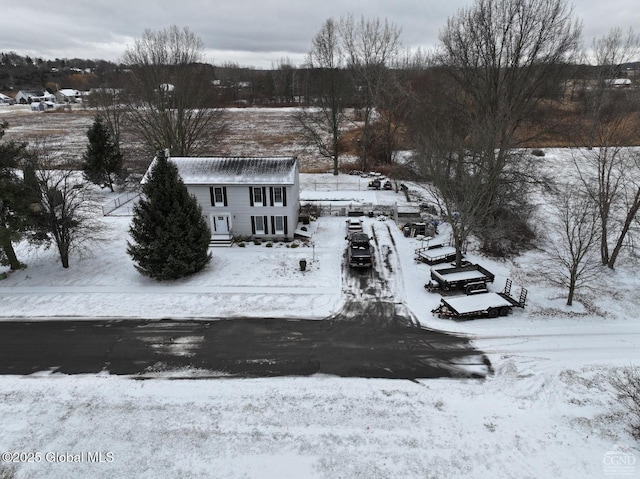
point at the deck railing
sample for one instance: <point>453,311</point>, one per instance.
<point>116,203</point>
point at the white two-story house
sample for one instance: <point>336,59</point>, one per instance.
<point>244,197</point>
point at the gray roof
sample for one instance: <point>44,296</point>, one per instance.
<point>237,170</point>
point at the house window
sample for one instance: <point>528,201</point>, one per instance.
<point>277,196</point>
<point>218,195</point>
<point>257,196</point>
<point>219,198</point>
<point>279,224</point>
<point>258,225</point>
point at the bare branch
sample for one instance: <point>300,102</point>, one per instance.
<point>70,206</point>
<point>169,98</point>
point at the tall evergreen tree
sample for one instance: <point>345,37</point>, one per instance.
<point>170,234</point>
<point>102,160</point>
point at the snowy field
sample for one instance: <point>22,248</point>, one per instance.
<point>546,412</point>
<point>250,132</point>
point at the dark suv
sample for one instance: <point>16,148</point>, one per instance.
<point>359,251</point>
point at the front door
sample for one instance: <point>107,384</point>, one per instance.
<point>220,224</point>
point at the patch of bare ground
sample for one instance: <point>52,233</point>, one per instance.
<point>263,132</point>
<point>59,129</point>
<point>267,132</point>
<point>566,124</point>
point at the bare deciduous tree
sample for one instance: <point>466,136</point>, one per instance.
<point>169,98</point>
<point>284,81</point>
<point>609,175</point>
<point>392,109</point>
<point>108,103</point>
<point>371,46</point>
<point>494,65</point>
<point>626,387</point>
<point>609,53</point>
<point>323,124</point>
<point>70,207</point>
<point>460,189</point>
<point>573,234</point>
<point>503,54</point>
<point>631,207</point>
<point>607,168</point>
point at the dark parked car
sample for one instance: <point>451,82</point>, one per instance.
<point>359,251</point>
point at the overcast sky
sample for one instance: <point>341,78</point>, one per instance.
<point>254,33</point>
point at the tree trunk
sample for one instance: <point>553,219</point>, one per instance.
<point>457,241</point>
<point>7,246</point>
<point>631,214</point>
<point>365,138</point>
<point>604,246</point>
<point>64,256</point>
<point>572,288</point>
<point>573,278</point>
<point>335,142</point>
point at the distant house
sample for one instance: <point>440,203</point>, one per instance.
<point>42,105</point>
<point>6,100</point>
<point>25,97</point>
<point>68,95</point>
<point>619,82</point>
<point>37,106</point>
<point>244,197</point>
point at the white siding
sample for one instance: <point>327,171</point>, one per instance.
<point>241,211</point>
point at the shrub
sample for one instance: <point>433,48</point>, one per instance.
<point>257,242</point>
<point>507,232</point>
<point>350,167</point>
<point>294,245</point>
<point>269,244</point>
<point>242,244</point>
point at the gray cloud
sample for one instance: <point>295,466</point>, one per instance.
<point>248,32</point>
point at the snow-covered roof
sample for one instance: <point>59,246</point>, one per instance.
<point>619,82</point>
<point>476,302</point>
<point>35,94</point>
<point>69,92</point>
<point>236,170</point>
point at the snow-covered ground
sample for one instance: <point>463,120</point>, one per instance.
<point>546,412</point>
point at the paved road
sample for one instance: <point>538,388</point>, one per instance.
<point>238,347</point>
<point>373,335</point>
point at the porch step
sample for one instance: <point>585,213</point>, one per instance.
<point>220,241</point>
